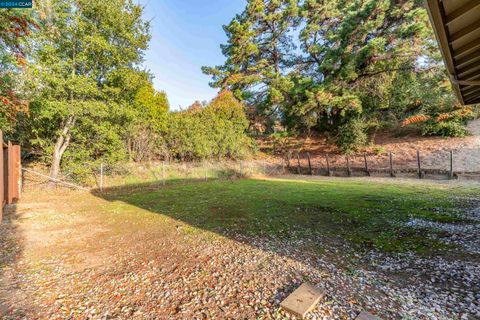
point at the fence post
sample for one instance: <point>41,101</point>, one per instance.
<point>101,177</point>
<point>392,173</point>
<point>10,173</point>
<point>349,170</point>
<point>299,169</point>
<point>206,170</point>
<point>18,171</point>
<point>367,171</point>
<point>450,174</point>
<point>419,163</point>
<point>163,173</point>
<point>329,173</point>
<point>241,167</point>
<point>309,164</point>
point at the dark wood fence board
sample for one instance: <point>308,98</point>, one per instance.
<point>10,173</point>
<point>2,185</point>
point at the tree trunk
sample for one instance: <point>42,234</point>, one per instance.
<point>61,145</point>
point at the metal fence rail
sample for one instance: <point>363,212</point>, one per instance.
<point>10,173</point>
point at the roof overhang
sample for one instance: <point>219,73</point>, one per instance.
<point>457,27</point>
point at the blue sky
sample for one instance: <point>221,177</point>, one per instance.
<point>186,35</point>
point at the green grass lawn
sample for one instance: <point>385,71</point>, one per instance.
<point>365,213</point>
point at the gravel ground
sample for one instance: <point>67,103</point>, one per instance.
<point>85,268</point>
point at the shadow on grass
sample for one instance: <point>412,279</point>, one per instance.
<point>320,213</point>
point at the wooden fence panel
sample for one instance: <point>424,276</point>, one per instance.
<point>2,184</point>
<point>5,173</point>
<point>10,173</point>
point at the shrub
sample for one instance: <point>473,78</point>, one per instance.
<point>280,141</point>
<point>378,150</point>
<point>187,137</point>
<point>217,131</point>
<point>451,128</point>
<point>227,126</point>
<point>352,136</point>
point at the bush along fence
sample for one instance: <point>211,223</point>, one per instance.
<point>301,163</point>
<point>10,173</point>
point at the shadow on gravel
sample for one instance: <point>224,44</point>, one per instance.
<point>319,224</point>
<point>251,214</point>
<point>11,248</point>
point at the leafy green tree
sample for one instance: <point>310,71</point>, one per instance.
<point>147,123</point>
<point>16,26</point>
<point>154,105</point>
<point>228,124</point>
<point>187,137</point>
<point>355,51</point>
<point>216,131</point>
<point>78,56</point>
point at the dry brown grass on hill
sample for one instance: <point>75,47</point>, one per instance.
<point>434,151</point>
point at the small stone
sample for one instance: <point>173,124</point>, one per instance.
<point>366,316</point>
<point>302,300</point>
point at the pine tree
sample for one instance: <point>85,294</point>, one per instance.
<point>320,64</point>
<point>259,52</point>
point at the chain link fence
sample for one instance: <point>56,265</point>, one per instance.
<point>174,172</point>
<point>155,173</point>
<point>437,164</point>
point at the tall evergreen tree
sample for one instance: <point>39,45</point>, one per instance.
<point>353,51</point>
<point>259,52</point>
<point>321,64</point>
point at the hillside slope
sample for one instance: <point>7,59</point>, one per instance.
<point>434,152</point>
